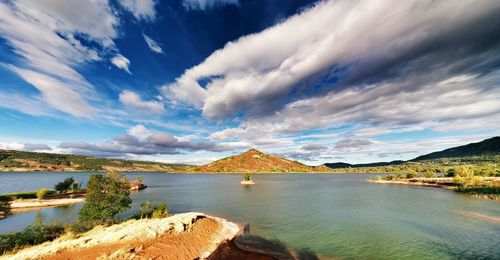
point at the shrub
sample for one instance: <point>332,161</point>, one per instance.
<point>42,193</point>
<point>34,234</point>
<point>411,175</point>
<point>430,174</point>
<point>107,196</point>
<point>451,172</point>
<point>64,185</point>
<point>160,211</point>
<point>464,171</point>
<point>146,209</point>
<point>247,177</point>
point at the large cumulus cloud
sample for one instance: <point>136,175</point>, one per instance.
<point>339,45</point>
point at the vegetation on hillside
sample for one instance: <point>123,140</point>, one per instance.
<point>30,161</point>
<point>487,165</point>
<point>254,161</point>
<point>485,148</point>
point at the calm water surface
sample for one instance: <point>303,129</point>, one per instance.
<point>328,215</point>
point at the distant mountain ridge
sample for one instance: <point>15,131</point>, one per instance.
<point>489,146</point>
<point>254,161</point>
<point>375,164</point>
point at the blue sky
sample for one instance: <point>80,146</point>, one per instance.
<point>192,81</point>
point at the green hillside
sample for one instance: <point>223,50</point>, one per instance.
<point>486,147</point>
<point>30,161</point>
<point>482,157</point>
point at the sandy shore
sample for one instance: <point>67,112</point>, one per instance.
<point>40,203</point>
<point>182,236</point>
<point>444,183</point>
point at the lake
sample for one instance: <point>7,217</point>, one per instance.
<point>330,215</point>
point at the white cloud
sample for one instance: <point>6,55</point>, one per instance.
<point>28,147</point>
<point>448,105</point>
<point>121,62</point>
<point>153,45</point>
<point>139,131</point>
<point>48,38</point>
<point>56,93</point>
<point>335,40</point>
<point>131,99</point>
<point>205,4</point>
<point>141,9</point>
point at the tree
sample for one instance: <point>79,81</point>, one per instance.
<point>246,176</point>
<point>64,185</point>
<point>107,196</point>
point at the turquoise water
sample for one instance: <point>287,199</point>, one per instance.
<point>328,215</point>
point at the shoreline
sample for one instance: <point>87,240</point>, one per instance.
<point>184,236</point>
<point>441,183</point>
<point>415,183</point>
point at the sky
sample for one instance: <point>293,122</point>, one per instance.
<point>192,81</point>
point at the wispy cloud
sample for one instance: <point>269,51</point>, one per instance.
<point>56,93</point>
<point>204,4</point>
<point>48,36</point>
<point>153,45</point>
<point>141,9</point>
<point>134,101</point>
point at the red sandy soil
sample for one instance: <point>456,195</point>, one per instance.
<point>185,245</point>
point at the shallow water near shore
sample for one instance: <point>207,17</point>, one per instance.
<point>330,215</point>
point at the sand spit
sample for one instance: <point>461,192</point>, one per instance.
<point>182,236</point>
<point>39,203</point>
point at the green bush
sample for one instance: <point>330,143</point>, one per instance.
<point>430,174</point>
<point>34,234</point>
<point>247,176</point>
<point>160,211</point>
<point>42,193</point>
<point>390,177</point>
<point>18,195</point>
<point>451,172</point>
<point>146,209</point>
<point>411,175</point>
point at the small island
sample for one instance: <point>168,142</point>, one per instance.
<point>247,179</point>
